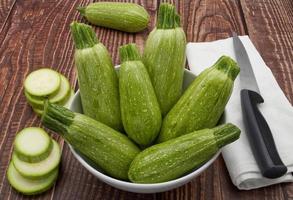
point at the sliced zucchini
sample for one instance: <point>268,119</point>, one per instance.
<point>63,92</point>
<point>38,111</point>
<point>33,101</point>
<point>28,186</point>
<point>39,169</point>
<point>42,82</point>
<point>32,144</point>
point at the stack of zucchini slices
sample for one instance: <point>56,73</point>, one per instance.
<point>35,161</point>
<point>45,84</point>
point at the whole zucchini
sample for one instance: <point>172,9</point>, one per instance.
<point>176,157</point>
<point>204,101</point>
<point>109,149</point>
<point>140,111</point>
<point>98,82</point>
<point>128,17</point>
<point>164,57</point>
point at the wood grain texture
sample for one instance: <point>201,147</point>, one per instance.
<point>36,33</point>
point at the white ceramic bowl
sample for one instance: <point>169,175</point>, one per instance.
<point>134,187</point>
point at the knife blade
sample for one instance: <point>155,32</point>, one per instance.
<point>257,129</point>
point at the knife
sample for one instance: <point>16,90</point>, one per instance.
<point>258,131</point>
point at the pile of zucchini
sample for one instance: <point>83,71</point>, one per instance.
<point>35,160</point>
<point>46,83</point>
<point>137,125</point>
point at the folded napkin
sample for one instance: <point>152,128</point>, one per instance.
<point>277,110</point>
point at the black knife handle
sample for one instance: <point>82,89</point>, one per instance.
<point>260,136</point>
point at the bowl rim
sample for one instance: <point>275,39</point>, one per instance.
<point>109,179</point>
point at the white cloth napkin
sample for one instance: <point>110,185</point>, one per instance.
<point>277,110</point>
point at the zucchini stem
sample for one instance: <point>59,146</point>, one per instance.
<point>57,118</point>
<point>129,52</point>
<point>226,133</point>
<point>167,17</point>
<point>81,10</point>
<point>83,35</point>
<point>228,66</point>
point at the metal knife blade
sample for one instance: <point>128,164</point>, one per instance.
<point>247,78</point>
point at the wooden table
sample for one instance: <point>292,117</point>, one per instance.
<point>35,33</point>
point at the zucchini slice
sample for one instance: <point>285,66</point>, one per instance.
<point>60,97</point>
<point>32,144</point>
<point>42,82</point>
<point>38,111</point>
<point>40,169</point>
<point>27,186</point>
<point>36,102</point>
<point>63,92</point>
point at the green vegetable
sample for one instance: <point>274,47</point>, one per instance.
<point>141,115</point>
<point>61,96</point>
<point>39,169</point>
<point>42,82</point>
<point>109,149</point>
<point>164,57</point>
<point>98,82</point>
<point>204,101</point>
<point>32,144</point>
<point>28,186</point>
<point>176,157</point>
<point>129,17</point>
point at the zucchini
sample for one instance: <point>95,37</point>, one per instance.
<point>140,111</point>
<point>174,158</point>
<point>128,17</point>
<point>109,149</point>
<point>42,82</point>
<point>98,82</point>
<point>60,97</point>
<point>164,57</point>
<point>204,101</point>
<point>63,93</point>
<point>28,186</point>
<point>32,144</point>
<point>39,169</point>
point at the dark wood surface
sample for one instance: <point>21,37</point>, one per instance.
<point>35,33</point>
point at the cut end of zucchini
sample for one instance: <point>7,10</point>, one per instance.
<point>83,35</point>
<point>167,17</point>
<point>32,144</point>
<point>129,52</point>
<point>28,186</point>
<point>42,82</point>
<point>38,169</point>
<point>228,66</point>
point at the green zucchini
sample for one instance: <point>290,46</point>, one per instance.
<point>32,144</point>
<point>60,97</point>
<point>98,82</point>
<point>110,150</point>
<point>140,111</point>
<point>42,82</point>
<point>38,169</point>
<point>174,158</point>
<point>204,101</point>
<point>129,17</point>
<point>164,57</point>
<point>29,186</point>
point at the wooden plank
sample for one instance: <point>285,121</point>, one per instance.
<point>270,27</point>
<point>37,35</point>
